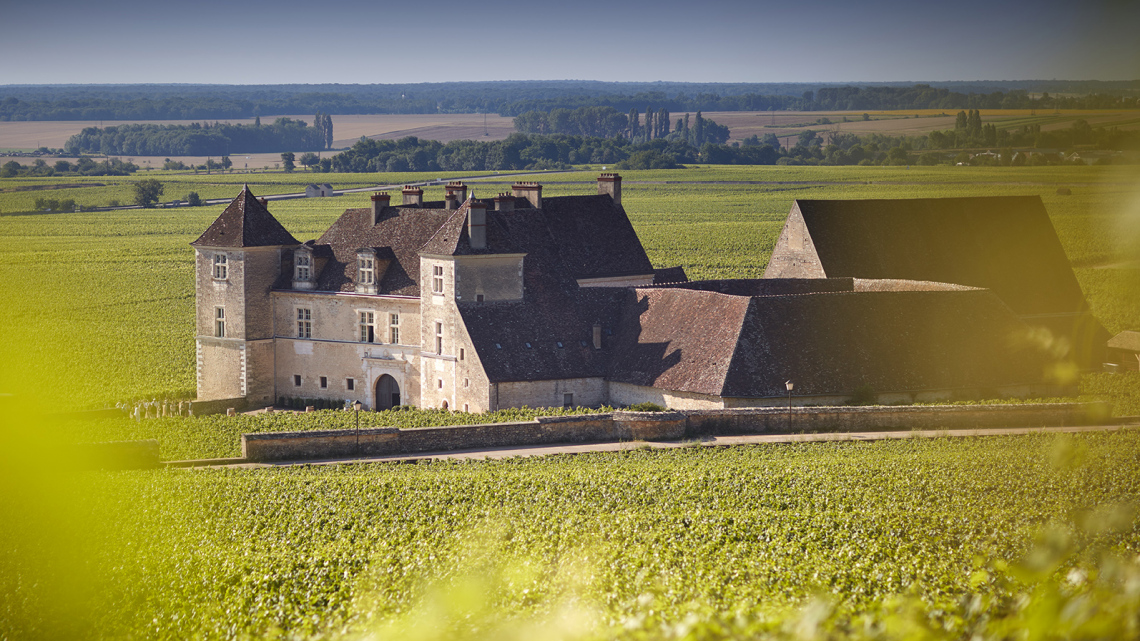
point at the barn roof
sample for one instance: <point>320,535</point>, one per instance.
<point>1006,244</point>
<point>245,222</point>
<point>1127,341</point>
<point>706,342</point>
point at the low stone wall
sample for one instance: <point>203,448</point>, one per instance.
<point>202,408</point>
<point>762,420</point>
<point>629,426</point>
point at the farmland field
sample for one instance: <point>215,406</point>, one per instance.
<point>99,305</point>
<point>951,538</point>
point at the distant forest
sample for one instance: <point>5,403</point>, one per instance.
<point>197,102</point>
<point>203,139</point>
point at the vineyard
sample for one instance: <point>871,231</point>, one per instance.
<point>99,305</point>
<point>952,538</point>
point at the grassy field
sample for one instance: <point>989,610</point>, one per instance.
<point>1017,537</point>
<point>99,305</point>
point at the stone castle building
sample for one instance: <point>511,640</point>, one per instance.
<point>479,304</point>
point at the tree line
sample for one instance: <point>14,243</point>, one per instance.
<point>202,139</point>
<point>81,167</point>
<point>607,122</point>
<point>196,102</point>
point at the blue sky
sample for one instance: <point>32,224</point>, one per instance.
<point>285,41</point>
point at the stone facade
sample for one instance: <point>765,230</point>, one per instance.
<point>520,300</point>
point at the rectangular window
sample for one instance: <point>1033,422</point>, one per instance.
<point>304,323</point>
<point>466,408</point>
<point>367,270</point>
<point>461,353</point>
<point>220,322</point>
<point>324,382</point>
<point>441,383</point>
<point>350,383</point>
<point>221,271</point>
<point>567,400</point>
<point>394,329</point>
<point>367,327</point>
<point>437,279</point>
<point>296,380</point>
<point>466,383</point>
<point>438,338</point>
<point>478,298</point>
<point>302,267</point>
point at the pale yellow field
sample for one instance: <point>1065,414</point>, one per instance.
<point>346,129</point>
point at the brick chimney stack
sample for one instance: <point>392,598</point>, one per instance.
<point>610,184</point>
<point>504,202</point>
<point>380,200</point>
<point>477,224</point>
<point>413,196</point>
<point>530,191</point>
<point>455,192</point>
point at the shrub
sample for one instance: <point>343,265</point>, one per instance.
<point>646,407</point>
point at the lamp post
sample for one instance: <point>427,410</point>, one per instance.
<point>356,410</point>
<point>788,384</point>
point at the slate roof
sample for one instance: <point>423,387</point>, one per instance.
<point>1006,244</point>
<point>705,342</point>
<point>245,223</point>
<point>593,235</point>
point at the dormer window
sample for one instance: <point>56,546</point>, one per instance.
<point>303,267</point>
<point>221,267</point>
<point>366,271</point>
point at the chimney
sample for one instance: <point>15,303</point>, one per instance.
<point>610,184</point>
<point>504,202</point>
<point>413,196</point>
<point>597,335</point>
<point>380,200</point>
<point>477,225</point>
<point>455,192</point>
<point>264,202</point>
<point>530,191</point>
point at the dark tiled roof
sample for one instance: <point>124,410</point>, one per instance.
<point>245,223</point>
<point>594,236</point>
<point>768,286</point>
<point>402,230</point>
<point>891,341</point>
<point>452,240</point>
<point>669,275</point>
<point>678,339</point>
<point>1127,341</point>
<point>827,343</point>
<point>500,333</point>
<point>1006,244</point>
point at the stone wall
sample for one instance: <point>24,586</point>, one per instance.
<point>625,426</point>
<point>218,406</point>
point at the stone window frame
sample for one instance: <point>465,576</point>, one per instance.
<point>568,400</point>
<point>439,338</point>
<point>366,322</point>
<point>296,380</point>
<point>220,321</point>
<point>350,384</point>
<point>304,322</point>
<point>366,270</point>
<point>437,279</point>
<point>303,267</point>
<point>394,328</point>
<point>221,266</point>
<point>323,382</point>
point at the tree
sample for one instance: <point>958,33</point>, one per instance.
<point>192,199</point>
<point>309,159</point>
<point>147,192</point>
<point>287,159</point>
<point>227,163</point>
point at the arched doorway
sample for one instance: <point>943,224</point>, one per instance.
<point>387,393</point>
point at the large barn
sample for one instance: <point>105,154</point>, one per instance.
<point>479,304</point>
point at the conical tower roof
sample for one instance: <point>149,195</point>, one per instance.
<point>245,223</point>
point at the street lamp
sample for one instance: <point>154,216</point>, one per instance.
<point>356,410</point>
<point>788,384</point>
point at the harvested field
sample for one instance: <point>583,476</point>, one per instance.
<point>347,129</point>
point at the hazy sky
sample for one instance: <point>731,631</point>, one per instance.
<point>377,41</point>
